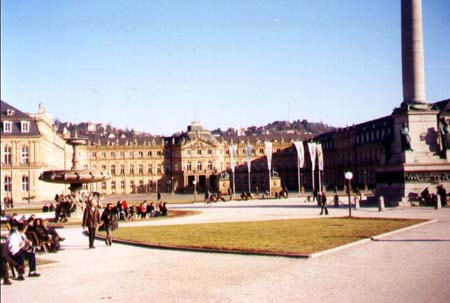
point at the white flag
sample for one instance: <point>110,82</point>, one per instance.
<point>233,155</point>
<point>248,155</point>
<point>268,151</point>
<point>312,153</point>
<point>319,155</point>
<point>300,153</point>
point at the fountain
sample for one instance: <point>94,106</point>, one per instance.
<point>76,176</point>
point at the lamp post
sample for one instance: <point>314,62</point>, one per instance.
<point>195,190</point>
<point>365,180</point>
<point>348,176</point>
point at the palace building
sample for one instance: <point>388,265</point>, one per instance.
<point>166,164</point>
<point>29,145</point>
<point>140,163</point>
<point>136,163</point>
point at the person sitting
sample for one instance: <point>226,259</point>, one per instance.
<point>14,221</point>
<point>132,212</point>
<point>5,260</point>
<point>156,212</point>
<point>286,193</point>
<point>150,209</point>
<point>425,195</point>
<point>46,234</point>
<point>21,249</point>
<point>243,196</point>
<point>163,209</point>
<point>125,208</point>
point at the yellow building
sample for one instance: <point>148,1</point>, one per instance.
<point>29,145</point>
<point>137,163</point>
<point>142,164</point>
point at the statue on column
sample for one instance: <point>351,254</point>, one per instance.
<point>405,138</point>
<point>445,134</point>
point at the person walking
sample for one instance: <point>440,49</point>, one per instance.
<point>91,220</point>
<point>323,202</point>
<point>109,222</point>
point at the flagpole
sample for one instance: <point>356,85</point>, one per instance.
<point>270,184</point>
<point>299,181</point>
<point>320,182</point>
<point>249,185</point>
<point>234,185</point>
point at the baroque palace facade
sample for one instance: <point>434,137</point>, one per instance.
<point>147,164</point>
<point>136,163</point>
<point>166,164</point>
<point>29,146</point>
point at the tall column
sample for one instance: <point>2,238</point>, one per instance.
<point>412,53</point>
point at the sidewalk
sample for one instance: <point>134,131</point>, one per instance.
<point>409,266</point>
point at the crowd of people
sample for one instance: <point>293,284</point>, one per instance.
<point>428,198</point>
<point>141,211</point>
<point>25,237</point>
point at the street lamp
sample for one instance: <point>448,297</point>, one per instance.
<point>365,181</point>
<point>195,190</point>
<point>348,176</point>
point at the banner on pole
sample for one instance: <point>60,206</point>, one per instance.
<point>300,153</point>
<point>319,155</point>
<point>248,156</point>
<point>233,154</point>
<point>268,151</point>
<point>312,153</point>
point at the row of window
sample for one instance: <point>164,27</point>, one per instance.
<point>24,155</point>
<point>131,154</point>
<point>120,169</point>
<point>24,126</point>
<point>131,184</point>
<point>159,153</point>
<point>7,184</point>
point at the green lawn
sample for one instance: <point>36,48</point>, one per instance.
<point>298,236</point>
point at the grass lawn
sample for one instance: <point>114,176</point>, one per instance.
<point>297,236</point>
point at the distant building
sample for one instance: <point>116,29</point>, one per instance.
<point>367,147</point>
<point>150,164</point>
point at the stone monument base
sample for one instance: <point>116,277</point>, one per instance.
<point>402,185</point>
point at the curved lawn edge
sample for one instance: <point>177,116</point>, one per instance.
<point>367,240</point>
<point>270,254</point>
<point>206,250</point>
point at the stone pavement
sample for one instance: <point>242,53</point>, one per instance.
<point>408,266</point>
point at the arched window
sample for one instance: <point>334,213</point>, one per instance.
<point>199,166</point>
<point>209,165</point>
<point>24,156</point>
<point>189,166</point>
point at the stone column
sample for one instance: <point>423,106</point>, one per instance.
<point>412,53</point>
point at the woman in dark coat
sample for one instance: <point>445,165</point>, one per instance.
<point>109,222</point>
<point>91,220</point>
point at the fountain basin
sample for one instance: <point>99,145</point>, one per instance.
<point>73,176</point>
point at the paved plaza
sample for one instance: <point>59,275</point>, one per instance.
<point>408,266</point>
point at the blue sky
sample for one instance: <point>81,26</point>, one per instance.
<point>155,66</point>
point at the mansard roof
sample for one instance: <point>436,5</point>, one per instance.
<point>15,116</point>
<point>125,140</point>
<point>255,139</point>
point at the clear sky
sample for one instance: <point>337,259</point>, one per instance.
<point>155,66</point>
